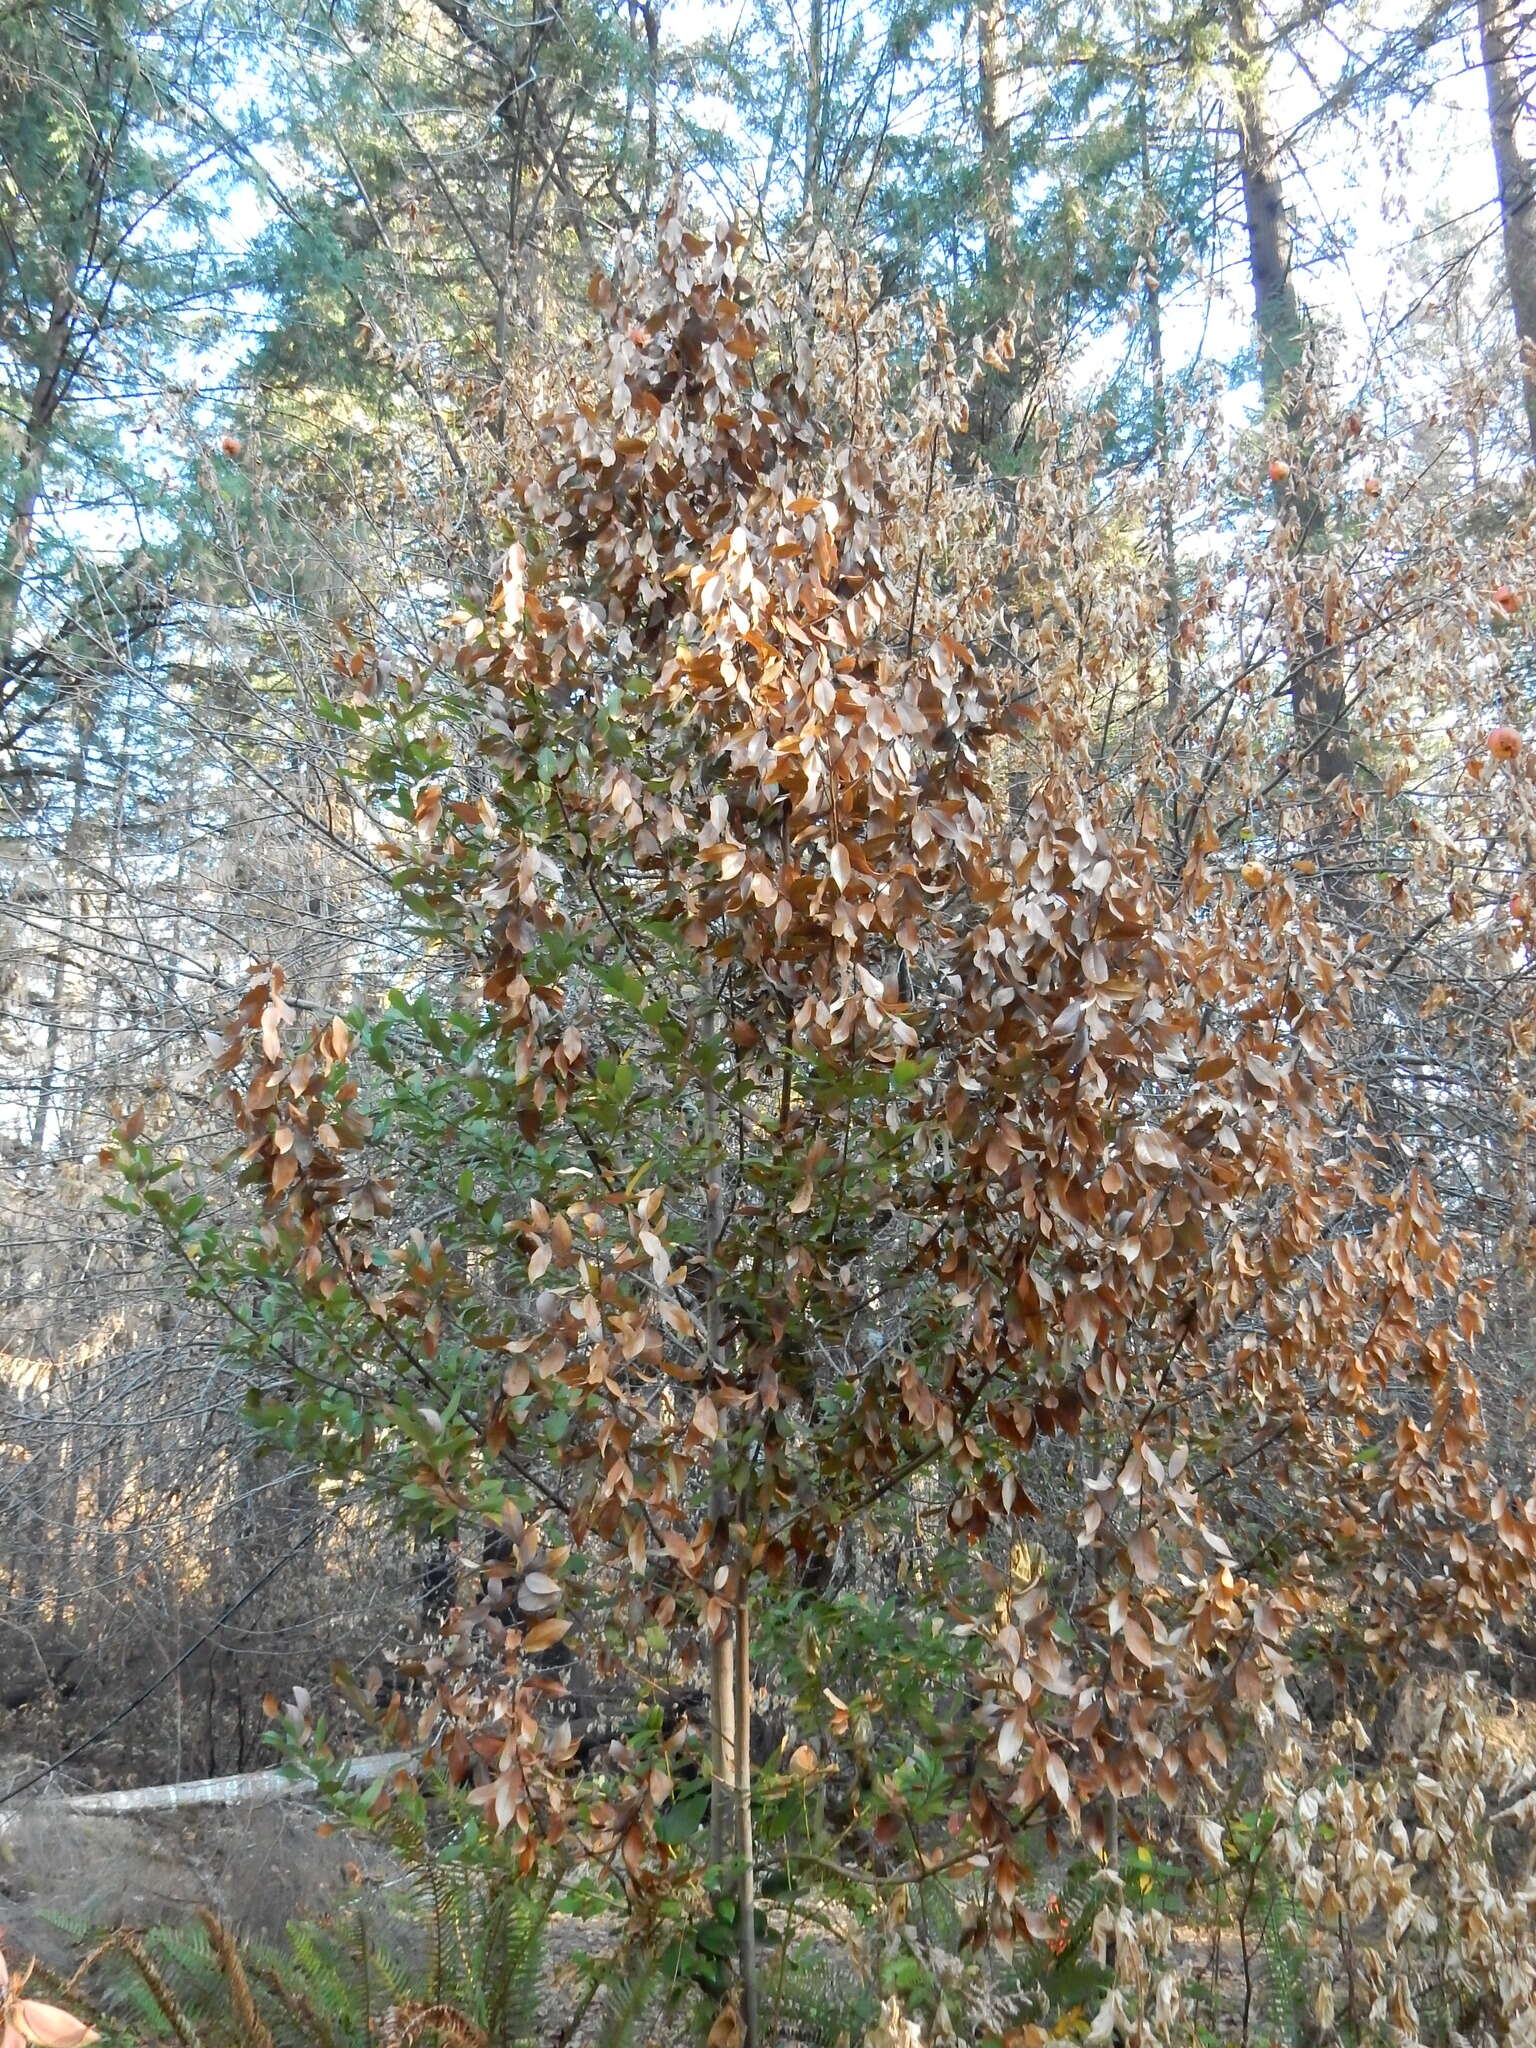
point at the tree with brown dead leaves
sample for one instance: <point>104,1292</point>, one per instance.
<point>820,1145</point>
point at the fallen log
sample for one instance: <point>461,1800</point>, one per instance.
<point>244,1788</point>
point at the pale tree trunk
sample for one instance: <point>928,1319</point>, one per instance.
<point>815,94</point>
<point>722,1748</point>
<point>1496,25</point>
<point>1167,541</point>
<point>48,1079</point>
<point>88,1072</point>
<point>746,1890</point>
<point>64,1499</point>
<point>722,1669</point>
<point>1161,449</point>
<point>245,1788</point>
<point>730,1795</point>
<point>1318,704</point>
<point>730,1692</point>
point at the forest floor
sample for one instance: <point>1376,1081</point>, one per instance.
<point>257,1868</point>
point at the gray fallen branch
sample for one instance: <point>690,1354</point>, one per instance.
<point>245,1788</point>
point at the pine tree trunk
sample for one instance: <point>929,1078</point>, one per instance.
<point>47,394</point>
<point>1496,23</point>
<point>992,127</point>
<point>1161,449</point>
<point>815,66</point>
<point>650,15</point>
<point>999,406</point>
<point>1276,308</point>
<point>59,361</point>
<point>1319,707</point>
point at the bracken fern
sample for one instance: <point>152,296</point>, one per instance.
<point>474,1982</point>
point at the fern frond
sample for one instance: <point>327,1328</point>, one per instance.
<point>166,2004</point>
<point>450,2025</point>
<point>1047,1976</point>
<point>350,1985</point>
<point>1284,1974</point>
<point>631,1981</point>
<point>254,2029</point>
<point>513,1970</point>
<point>311,2022</point>
<point>822,2004</point>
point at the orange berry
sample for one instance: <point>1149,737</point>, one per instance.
<point>1279,470</point>
<point>1254,873</point>
<point>1504,743</point>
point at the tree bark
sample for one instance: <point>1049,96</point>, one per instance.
<point>1319,707</point>
<point>1161,450</point>
<point>815,82</point>
<point>650,15</point>
<point>998,404</point>
<point>48,1078</point>
<point>47,395</point>
<point>1278,320</point>
<point>1517,187</point>
<point>746,1891</point>
<point>993,127</point>
<point>722,1748</point>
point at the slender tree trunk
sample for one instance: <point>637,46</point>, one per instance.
<point>730,1718</point>
<point>48,1079</point>
<point>997,405</point>
<point>1162,452</point>
<point>170,974</point>
<point>1496,24</point>
<point>1167,539</point>
<point>501,331</point>
<point>1278,318</point>
<point>746,1892</point>
<point>88,1075</point>
<point>815,81</point>
<point>722,1747</point>
<point>1318,703</point>
<point>650,15</point>
<point>65,1500</point>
